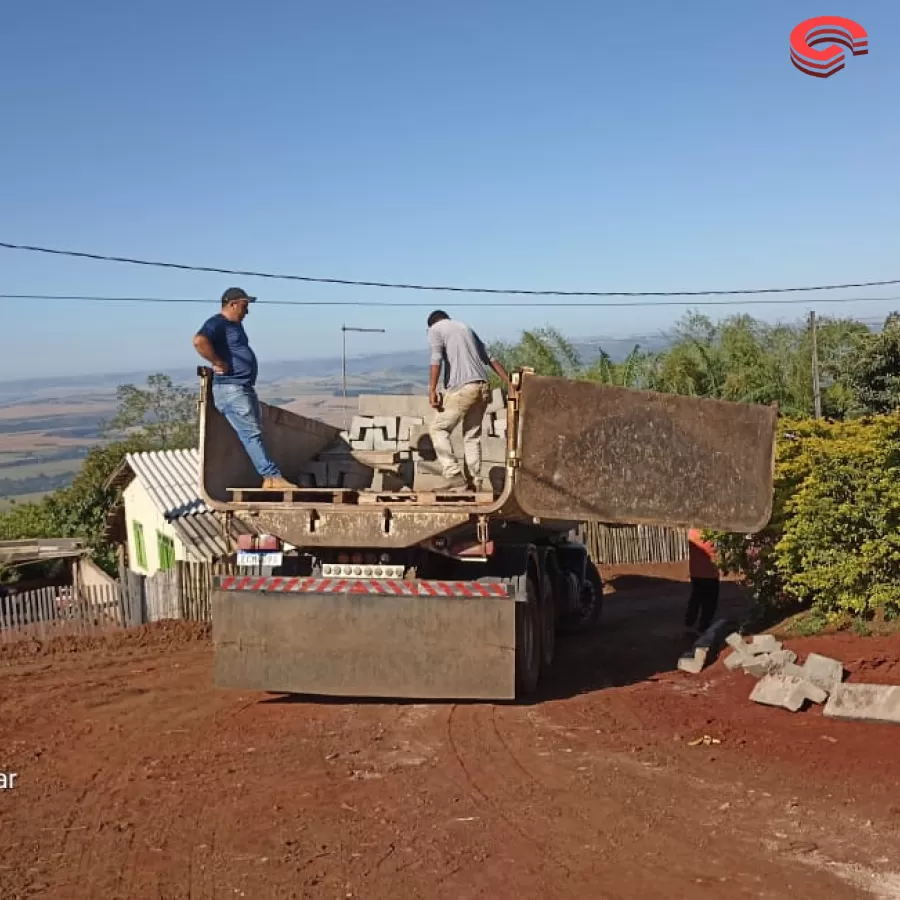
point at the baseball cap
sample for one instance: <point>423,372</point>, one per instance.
<point>236,293</point>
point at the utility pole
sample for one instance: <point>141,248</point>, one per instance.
<point>817,387</point>
<point>344,330</point>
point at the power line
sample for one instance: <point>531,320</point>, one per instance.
<point>432,287</point>
<point>480,305</point>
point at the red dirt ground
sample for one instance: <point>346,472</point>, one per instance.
<point>138,779</point>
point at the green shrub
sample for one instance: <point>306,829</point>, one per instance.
<point>833,542</point>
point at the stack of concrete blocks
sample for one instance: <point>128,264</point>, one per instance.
<point>781,681</point>
<point>395,427</point>
<point>338,467</point>
<point>400,423</point>
<point>784,683</point>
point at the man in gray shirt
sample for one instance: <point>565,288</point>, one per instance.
<point>466,395</point>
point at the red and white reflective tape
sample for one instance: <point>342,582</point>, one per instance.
<point>387,586</point>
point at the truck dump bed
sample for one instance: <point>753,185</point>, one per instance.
<point>558,451</point>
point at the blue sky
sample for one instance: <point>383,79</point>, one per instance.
<point>580,145</point>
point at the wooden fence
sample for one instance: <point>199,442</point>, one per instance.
<point>53,611</point>
<point>184,591</point>
<point>618,545</point>
<point>180,593</point>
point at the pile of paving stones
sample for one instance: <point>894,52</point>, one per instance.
<point>783,682</point>
<point>387,446</point>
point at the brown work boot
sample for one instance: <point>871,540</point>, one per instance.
<point>278,484</point>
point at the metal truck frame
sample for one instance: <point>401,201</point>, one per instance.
<point>420,595</point>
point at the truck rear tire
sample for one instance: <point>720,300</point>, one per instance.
<point>528,636</point>
<point>549,588</point>
<point>591,603</point>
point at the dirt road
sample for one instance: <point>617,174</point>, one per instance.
<point>137,779</point>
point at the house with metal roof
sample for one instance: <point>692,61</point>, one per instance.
<point>162,519</point>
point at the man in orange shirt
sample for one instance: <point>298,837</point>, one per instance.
<point>704,582</point>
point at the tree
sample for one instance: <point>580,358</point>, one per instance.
<point>871,371</point>
<point>545,350</point>
<point>635,371</point>
<point>162,416</point>
<point>78,511</point>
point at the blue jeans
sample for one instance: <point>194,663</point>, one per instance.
<point>240,406</point>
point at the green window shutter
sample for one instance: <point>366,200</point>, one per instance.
<point>139,549</point>
<point>166,547</point>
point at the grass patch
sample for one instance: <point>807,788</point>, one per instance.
<point>7,502</point>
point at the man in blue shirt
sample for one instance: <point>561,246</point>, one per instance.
<point>223,343</point>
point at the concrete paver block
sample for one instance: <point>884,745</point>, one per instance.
<point>366,442</point>
<point>823,671</point>
<point>319,473</point>
<point>358,424</point>
<point>428,467</point>
<point>764,643</point>
<point>793,669</point>
<point>395,405</point>
<point>382,443</point>
<point>865,703</point>
<point>737,660</point>
<point>694,661</point>
<point>405,426</point>
<point>493,449</point>
<point>786,691</point>
<point>770,663</point>
<point>389,424</point>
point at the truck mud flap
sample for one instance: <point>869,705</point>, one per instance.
<point>416,640</point>
<point>621,456</point>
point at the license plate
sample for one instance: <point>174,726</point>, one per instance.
<point>248,558</point>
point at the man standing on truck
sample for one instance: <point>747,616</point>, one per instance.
<point>466,395</point>
<point>223,343</point>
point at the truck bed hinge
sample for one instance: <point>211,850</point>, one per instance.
<point>483,534</point>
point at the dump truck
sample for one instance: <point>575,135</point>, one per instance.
<point>367,581</point>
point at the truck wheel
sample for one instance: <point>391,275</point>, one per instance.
<point>549,579</point>
<point>591,596</point>
<point>590,602</point>
<point>528,637</point>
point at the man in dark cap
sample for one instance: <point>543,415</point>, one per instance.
<point>223,343</point>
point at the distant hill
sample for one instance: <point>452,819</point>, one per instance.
<point>411,363</point>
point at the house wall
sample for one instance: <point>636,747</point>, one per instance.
<point>91,575</point>
<point>140,507</point>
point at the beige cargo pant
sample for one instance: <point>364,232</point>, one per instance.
<point>468,405</point>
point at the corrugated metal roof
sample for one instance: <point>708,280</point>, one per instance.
<point>172,478</point>
<point>202,533</point>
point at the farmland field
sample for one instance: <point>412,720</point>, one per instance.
<point>46,432</point>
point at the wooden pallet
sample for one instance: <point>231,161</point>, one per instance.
<point>344,496</point>
<point>293,495</point>
<point>372,458</point>
<point>424,498</point>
